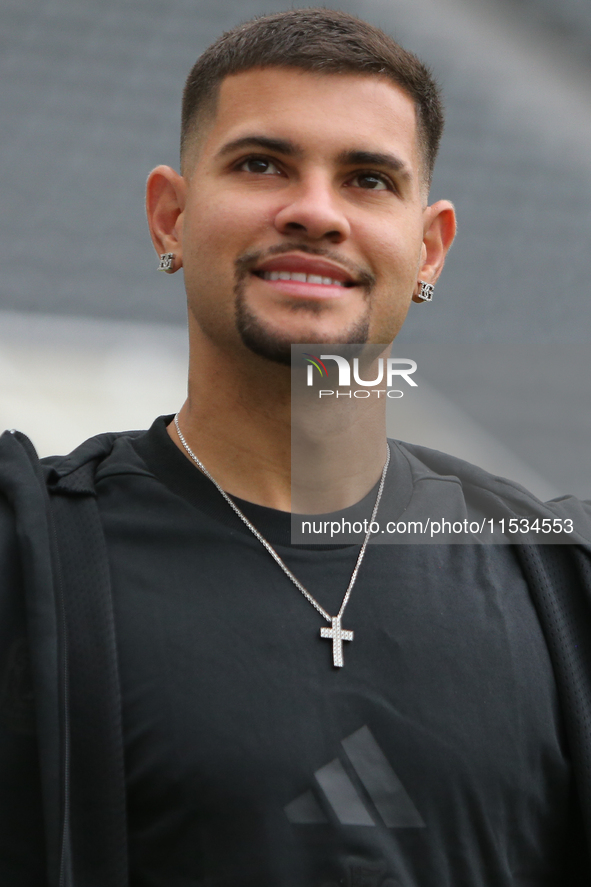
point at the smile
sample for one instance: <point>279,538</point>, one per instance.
<point>305,276</point>
<point>300,277</point>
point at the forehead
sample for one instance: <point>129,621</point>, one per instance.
<point>321,112</point>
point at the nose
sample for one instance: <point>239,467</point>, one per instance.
<point>314,211</point>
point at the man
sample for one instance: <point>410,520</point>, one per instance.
<point>447,744</point>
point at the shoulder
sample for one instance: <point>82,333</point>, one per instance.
<point>494,493</point>
<point>93,451</point>
<point>24,477</point>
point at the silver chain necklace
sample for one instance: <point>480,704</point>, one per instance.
<point>336,633</point>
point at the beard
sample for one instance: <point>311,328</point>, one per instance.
<point>260,338</point>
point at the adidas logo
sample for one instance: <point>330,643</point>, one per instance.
<point>370,793</point>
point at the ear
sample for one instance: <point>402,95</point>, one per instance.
<point>439,230</point>
<point>165,204</point>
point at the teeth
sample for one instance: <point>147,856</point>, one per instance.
<point>300,277</point>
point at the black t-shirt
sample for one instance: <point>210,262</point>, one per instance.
<point>435,757</point>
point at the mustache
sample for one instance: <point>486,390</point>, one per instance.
<point>247,261</point>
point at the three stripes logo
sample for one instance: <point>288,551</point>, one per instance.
<point>378,797</point>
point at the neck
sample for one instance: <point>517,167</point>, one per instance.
<point>310,457</point>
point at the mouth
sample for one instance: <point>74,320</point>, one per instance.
<point>300,277</point>
<point>305,276</point>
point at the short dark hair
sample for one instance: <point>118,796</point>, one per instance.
<point>318,40</point>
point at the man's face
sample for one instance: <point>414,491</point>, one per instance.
<point>303,219</point>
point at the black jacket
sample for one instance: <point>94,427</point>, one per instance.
<point>62,788</point>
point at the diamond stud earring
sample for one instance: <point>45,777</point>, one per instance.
<point>166,261</point>
<point>425,291</point>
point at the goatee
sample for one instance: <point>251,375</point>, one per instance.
<point>266,342</point>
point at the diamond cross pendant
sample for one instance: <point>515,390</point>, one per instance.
<point>337,635</point>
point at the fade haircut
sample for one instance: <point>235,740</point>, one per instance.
<point>316,40</point>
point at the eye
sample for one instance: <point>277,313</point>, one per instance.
<point>371,181</point>
<point>259,165</point>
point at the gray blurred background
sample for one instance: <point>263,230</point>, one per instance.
<point>92,338</point>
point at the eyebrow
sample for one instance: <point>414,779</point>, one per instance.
<point>346,158</point>
<point>280,146</point>
<point>375,158</point>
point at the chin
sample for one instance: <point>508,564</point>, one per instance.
<point>275,345</point>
